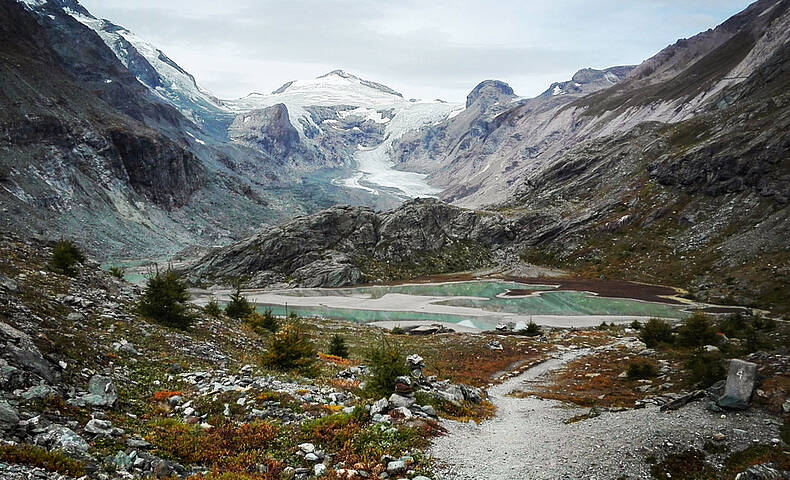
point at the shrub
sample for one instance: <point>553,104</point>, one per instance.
<point>532,330</point>
<point>338,347</point>
<point>696,331</point>
<point>164,301</point>
<point>706,368</point>
<point>53,461</point>
<point>386,364</point>
<point>462,412</point>
<point>636,325</point>
<point>212,308</point>
<point>641,368</point>
<point>238,307</point>
<point>334,431</point>
<point>684,465</point>
<point>262,323</point>
<point>291,349</point>
<point>764,323</point>
<point>227,447</point>
<point>732,325</point>
<point>164,395</point>
<point>397,330</point>
<point>65,257</point>
<point>753,342</point>
<point>656,332</point>
<point>117,272</point>
<point>603,326</point>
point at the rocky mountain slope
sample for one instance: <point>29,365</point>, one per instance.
<point>701,203</point>
<point>152,68</point>
<point>482,149</point>
<point>348,245</point>
<point>487,165</point>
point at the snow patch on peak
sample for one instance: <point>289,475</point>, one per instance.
<point>32,3</point>
<point>151,66</point>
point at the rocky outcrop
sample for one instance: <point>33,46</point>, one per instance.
<point>270,131</point>
<point>588,80</point>
<point>489,91</point>
<point>338,246</point>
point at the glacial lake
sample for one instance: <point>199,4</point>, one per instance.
<point>479,304</point>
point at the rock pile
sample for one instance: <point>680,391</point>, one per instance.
<point>402,403</point>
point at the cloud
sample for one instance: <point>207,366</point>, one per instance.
<point>431,49</point>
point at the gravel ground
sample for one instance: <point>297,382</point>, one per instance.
<point>528,439</point>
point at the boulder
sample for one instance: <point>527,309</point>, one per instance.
<point>403,385</point>
<point>401,413</point>
<point>102,427</point>
<point>379,407</point>
<point>101,393</point>
<point>453,394</point>
<point>58,437</point>
<point>740,384</point>
<point>765,471</point>
<point>429,410</point>
<point>21,352</point>
<point>307,448</point>
<point>11,378</point>
<point>471,394</point>
<point>396,466</point>
<point>415,362</point>
<point>39,392</point>
<point>9,417</point>
<point>397,400</point>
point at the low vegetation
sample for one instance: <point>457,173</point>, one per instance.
<point>706,368</point>
<point>213,309</point>
<point>386,363</point>
<point>165,301</point>
<point>66,256</point>
<point>262,323</point>
<point>532,330</point>
<point>338,347</point>
<point>51,461</point>
<point>641,369</point>
<point>238,307</point>
<point>117,272</point>
<point>656,332</point>
<point>291,349</point>
<point>696,330</point>
<point>225,448</point>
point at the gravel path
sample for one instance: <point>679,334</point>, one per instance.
<point>528,438</point>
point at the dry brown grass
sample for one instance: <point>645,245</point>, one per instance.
<point>593,381</point>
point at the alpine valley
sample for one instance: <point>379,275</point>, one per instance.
<point>469,268</point>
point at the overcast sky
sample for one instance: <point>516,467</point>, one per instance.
<point>422,48</point>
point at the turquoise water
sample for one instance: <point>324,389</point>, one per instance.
<point>367,316</point>
<point>485,296</point>
<point>567,303</point>
<point>482,289</point>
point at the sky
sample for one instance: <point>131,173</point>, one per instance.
<point>422,48</point>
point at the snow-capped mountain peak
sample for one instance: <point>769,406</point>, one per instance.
<point>332,89</point>
<point>150,65</point>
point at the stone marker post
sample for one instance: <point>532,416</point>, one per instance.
<point>740,383</point>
